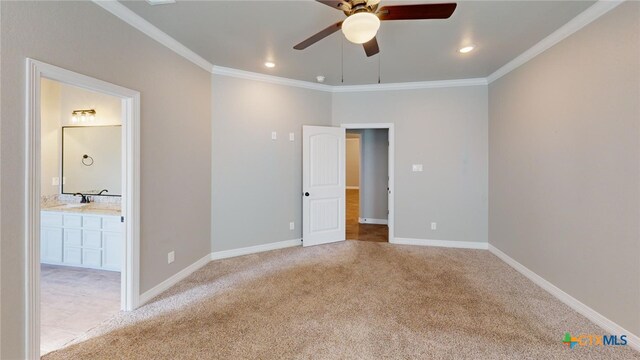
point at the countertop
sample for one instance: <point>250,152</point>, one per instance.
<point>86,209</point>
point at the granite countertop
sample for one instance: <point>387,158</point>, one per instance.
<point>87,209</point>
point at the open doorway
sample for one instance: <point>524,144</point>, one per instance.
<point>368,183</point>
<point>81,233</point>
<point>83,204</point>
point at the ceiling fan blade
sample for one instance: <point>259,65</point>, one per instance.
<point>319,36</point>
<point>371,47</point>
<point>336,4</point>
<point>416,12</point>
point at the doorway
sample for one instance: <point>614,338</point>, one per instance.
<point>72,242</point>
<point>369,182</point>
<point>81,233</point>
<point>367,186</point>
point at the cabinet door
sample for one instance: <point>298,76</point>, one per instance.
<point>72,255</point>
<point>72,237</point>
<point>91,222</point>
<point>92,257</point>
<point>112,223</point>
<point>112,250</point>
<point>92,239</point>
<point>51,245</point>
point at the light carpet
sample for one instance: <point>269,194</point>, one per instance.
<point>349,300</point>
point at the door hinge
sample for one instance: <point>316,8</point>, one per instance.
<point>121,218</point>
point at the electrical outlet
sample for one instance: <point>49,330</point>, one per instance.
<point>55,181</point>
<point>274,135</point>
<point>171,257</point>
<point>292,137</point>
<point>416,168</point>
<point>434,226</point>
<point>292,225</point>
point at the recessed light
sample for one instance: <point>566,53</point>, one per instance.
<point>270,64</point>
<point>466,49</point>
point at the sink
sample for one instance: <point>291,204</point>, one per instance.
<point>70,206</point>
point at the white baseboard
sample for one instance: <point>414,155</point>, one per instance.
<point>600,320</point>
<point>441,243</point>
<point>353,188</point>
<point>373,221</point>
<point>176,278</point>
<point>217,255</point>
<point>182,274</point>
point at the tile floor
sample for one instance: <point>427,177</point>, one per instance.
<point>357,231</point>
<point>73,301</point>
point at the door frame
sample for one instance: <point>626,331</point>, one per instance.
<point>391,157</point>
<point>130,271</point>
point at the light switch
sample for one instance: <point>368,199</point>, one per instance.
<point>417,167</point>
<point>292,225</point>
<point>291,137</point>
<point>274,135</point>
<point>55,181</point>
<point>171,257</point>
<point>434,226</point>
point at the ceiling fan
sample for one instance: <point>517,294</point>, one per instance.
<point>364,16</point>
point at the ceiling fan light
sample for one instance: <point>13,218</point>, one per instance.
<point>360,27</point>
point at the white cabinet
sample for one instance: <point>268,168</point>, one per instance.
<point>72,255</point>
<point>111,250</point>
<point>51,244</point>
<point>71,239</point>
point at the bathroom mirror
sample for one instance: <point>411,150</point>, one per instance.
<point>92,160</point>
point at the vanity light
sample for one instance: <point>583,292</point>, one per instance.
<point>83,115</point>
<point>466,49</point>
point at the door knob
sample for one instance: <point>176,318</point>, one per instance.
<point>306,194</point>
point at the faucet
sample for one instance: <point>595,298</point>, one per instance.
<point>103,190</point>
<point>85,199</point>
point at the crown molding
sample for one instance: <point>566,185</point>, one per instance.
<point>410,85</point>
<point>248,75</point>
<point>125,14</point>
<point>219,70</point>
<point>581,20</point>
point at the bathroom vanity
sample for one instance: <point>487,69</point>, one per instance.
<point>80,222</point>
<point>88,236</point>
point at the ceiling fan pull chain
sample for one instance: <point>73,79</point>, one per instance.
<point>342,61</point>
<point>379,56</point>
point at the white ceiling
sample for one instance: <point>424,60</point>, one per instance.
<point>245,34</point>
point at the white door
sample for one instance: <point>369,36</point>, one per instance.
<point>323,185</point>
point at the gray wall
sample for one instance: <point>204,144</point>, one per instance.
<point>565,165</point>
<point>446,131</point>
<point>175,120</point>
<point>257,182</point>
<point>374,197</point>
